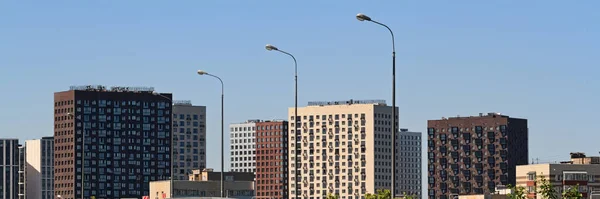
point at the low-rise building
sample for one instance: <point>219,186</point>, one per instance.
<point>561,176</point>
<point>211,175</point>
<point>201,189</point>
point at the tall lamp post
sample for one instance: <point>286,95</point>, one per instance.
<point>71,115</point>
<point>172,143</point>
<point>201,72</point>
<point>270,47</point>
<point>362,17</point>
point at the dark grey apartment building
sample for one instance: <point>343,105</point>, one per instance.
<point>474,154</point>
<point>123,135</point>
<point>9,168</point>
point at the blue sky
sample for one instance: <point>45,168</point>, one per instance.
<point>530,59</point>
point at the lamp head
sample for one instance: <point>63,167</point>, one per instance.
<point>70,115</point>
<point>201,72</point>
<point>363,17</point>
<point>270,47</point>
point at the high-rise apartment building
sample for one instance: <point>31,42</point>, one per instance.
<point>243,146</point>
<point>472,155</point>
<point>9,168</point>
<point>272,159</point>
<point>39,169</point>
<point>345,148</point>
<point>408,161</point>
<point>22,173</point>
<point>189,131</point>
<point>122,133</point>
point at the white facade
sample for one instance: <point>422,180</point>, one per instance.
<point>189,138</point>
<point>39,168</point>
<point>345,149</point>
<point>408,161</point>
<point>243,146</point>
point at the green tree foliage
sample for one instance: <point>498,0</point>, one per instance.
<point>572,193</point>
<point>332,196</point>
<point>546,189</point>
<point>387,194</point>
<point>517,192</point>
<point>405,196</point>
<point>381,194</point>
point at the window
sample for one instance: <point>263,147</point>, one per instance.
<point>531,176</point>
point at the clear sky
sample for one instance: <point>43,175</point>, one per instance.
<point>529,59</point>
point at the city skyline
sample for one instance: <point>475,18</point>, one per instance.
<point>518,58</point>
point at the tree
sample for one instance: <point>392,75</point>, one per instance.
<point>546,189</point>
<point>572,193</point>
<point>518,192</point>
<point>380,194</point>
<point>406,196</point>
<point>331,196</point>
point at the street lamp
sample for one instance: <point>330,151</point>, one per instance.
<point>362,17</point>
<point>201,72</point>
<point>270,47</point>
<point>172,143</point>
<point>71,115</point>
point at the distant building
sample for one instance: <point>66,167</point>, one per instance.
<point>123,134</point>
<point>39,169</point>
<point>22,177</point>
<point>473,155</point>
<point>243,146</point>
<point>344,148</point>
<point>9,168</point>
<point>202,189</point>
<point>408,160</point>
<point>211,175</point>
<point>272,159</point>
<point>561,176</point>
<point>581,158</point>
<point>189,131</point>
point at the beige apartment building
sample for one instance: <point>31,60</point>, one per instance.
<point>200,189</point>
<point>344,148</point>
<point>561,176</point>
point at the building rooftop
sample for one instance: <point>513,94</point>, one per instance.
<point>348,102</point>
<point>101,88</point>
<point>182,102</point>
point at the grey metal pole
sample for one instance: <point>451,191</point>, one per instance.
<point>394,114</point>
<point>222,129</point>
<point>296,134</point>
<point>222,136</point>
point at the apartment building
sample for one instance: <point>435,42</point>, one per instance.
<point>123,135</point>
<point>472,155</point>
<point>561,176</point>
<point>189,131</point>
<point>39,168</point>
<point>22,173</point>
<point>9,168</point>
<point>272,159</point>
<point>343,148</point>
<point>243,146</point>
<point>408,161</point>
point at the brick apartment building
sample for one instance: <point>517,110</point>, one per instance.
<point>472,155</point>
<point>271,159</point>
